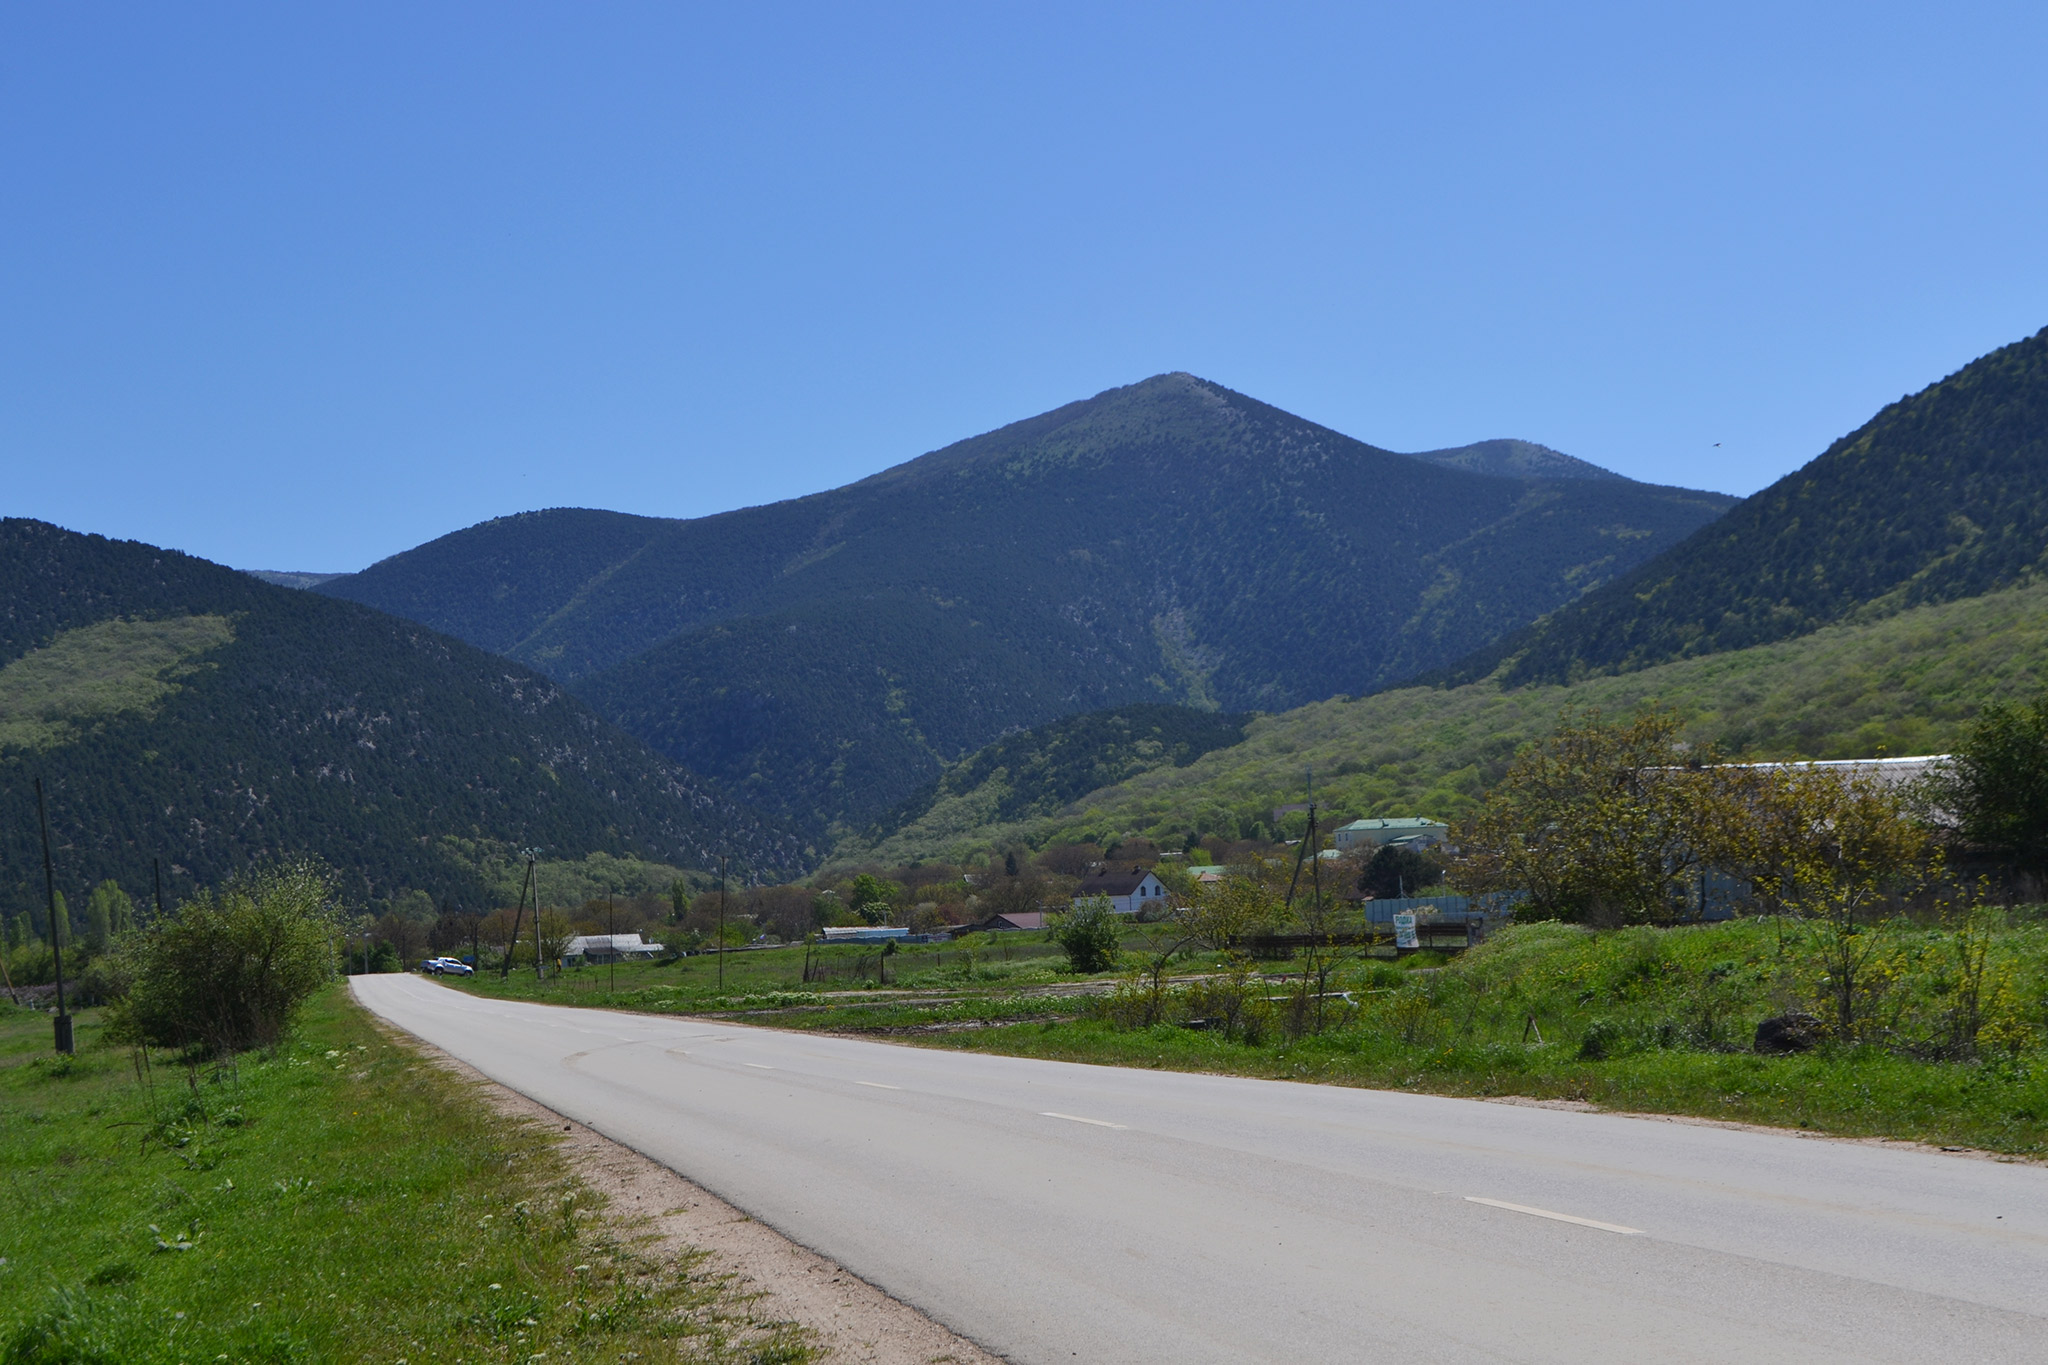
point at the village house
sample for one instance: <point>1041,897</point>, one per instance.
<point>1127,887</point>
<point>599,948</point>
<point>1015,920</point>
<point>1406,831</point>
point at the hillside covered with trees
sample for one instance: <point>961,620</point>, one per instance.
<point>1171,541</point>
<point>184,712</point>
<point>1910,683</point>
<point>1942,495</point>
<point>1037,772</point>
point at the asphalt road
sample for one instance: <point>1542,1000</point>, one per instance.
<point>1059,1212</point>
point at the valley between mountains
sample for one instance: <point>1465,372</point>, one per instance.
<point>1148,613</point>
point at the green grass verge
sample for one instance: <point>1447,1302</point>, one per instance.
<point>340,1200</point>
<point>1863,1092</point>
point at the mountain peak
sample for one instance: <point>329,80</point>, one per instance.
<point>1170,540</point>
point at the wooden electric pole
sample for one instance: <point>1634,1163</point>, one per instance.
<point>64,1043</point>
<point>512,944</point>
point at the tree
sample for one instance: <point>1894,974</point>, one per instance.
<point>1068,860</point>
<point>1247,900</point>
<point>231,967</point>
<point>414,905</point>
<point>783,910</point>
<point>1090,933</point>
<point>496,929</point>
<point>1837,850</point>
<point>455,931</point>
<point>1171,936</point>
<point>551,934</point>
<point>1393,872</point>
<point>108,914</point>
<point>407,936</point>
<point>1018,895</point>
<point>1599,823</point>
<point>1806,833</point>
<point>1994,791</point>
<point>873,899</point>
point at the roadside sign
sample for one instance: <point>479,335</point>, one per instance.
<point>1404,929</point>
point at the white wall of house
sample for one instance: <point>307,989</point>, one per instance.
<point>1150,891</point>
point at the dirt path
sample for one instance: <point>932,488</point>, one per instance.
<point>853,1322</point>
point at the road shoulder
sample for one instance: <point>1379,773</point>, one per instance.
<point>668,1216</point>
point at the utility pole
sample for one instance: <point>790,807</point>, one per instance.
<point>722,860</point>
<point>505,967</point>
<point>611,931</point>
<point>540,972</point>
<point>1315,961</point>
<point>1307,848</point>
<point>64,1043</point>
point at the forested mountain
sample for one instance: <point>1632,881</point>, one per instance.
<point>1942,495</point>
<point>1170,541</point>
<point>1037,772</point>
<point>1910,683</point>
<point>180,710</point>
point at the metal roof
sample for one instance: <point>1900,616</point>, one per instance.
<point>1414,822</point>
<point>1890,771</point>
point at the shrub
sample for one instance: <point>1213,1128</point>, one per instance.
<point>231,967</point>
<point>1089,933</point>
<point>1605,1038</point>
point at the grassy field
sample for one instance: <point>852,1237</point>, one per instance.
<point>998,971</point>
<point>340,1200</point>
<point>1650,1020</point>
<point>1904,684</point>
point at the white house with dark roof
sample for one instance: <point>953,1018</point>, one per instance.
<point>1127,887</point>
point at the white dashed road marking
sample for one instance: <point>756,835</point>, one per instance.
<point>1560,1217</point>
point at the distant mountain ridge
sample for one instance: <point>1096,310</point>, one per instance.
<point>185,711</point>
<point>1169,541</point>
<point>1511,459</point>
<point>288,578</point>
<point>1942,495</point>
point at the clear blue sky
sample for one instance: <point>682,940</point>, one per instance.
<point>299,286</point>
